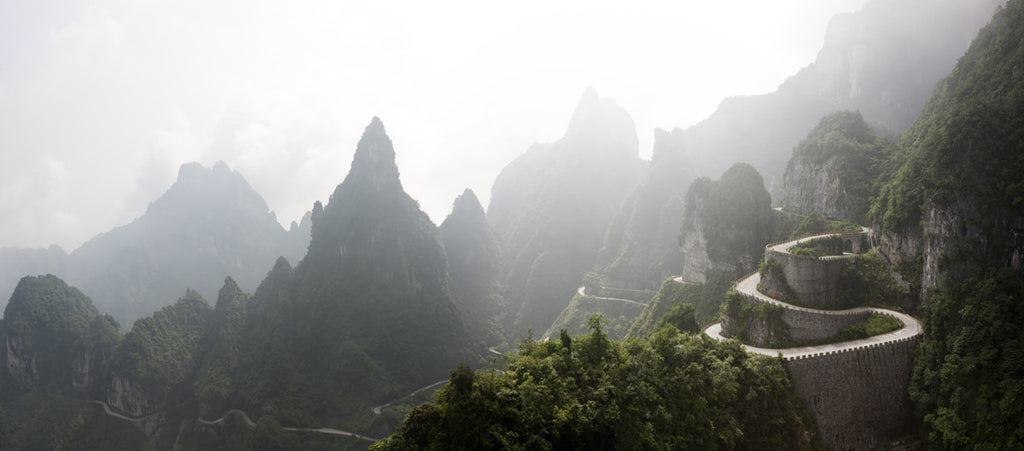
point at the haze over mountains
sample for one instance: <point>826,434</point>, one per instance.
<point>209,225</point>
<point>342,323</point>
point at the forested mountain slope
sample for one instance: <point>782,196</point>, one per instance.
<point>883,60</point>
<point>951,216</point>
<point>368,314</point>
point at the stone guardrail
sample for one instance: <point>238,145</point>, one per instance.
<point>747,285</point>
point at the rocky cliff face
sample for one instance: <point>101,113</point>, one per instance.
<point>692,242</point>
<point>131,398</point>
<point>833,170</point>
<point>883,61</point>
<point>89,371</point>
<point>641,246</point>
<point>551,206</point>
<point>474,264</point>
<point>813,187</point>
<point>726,223</point>
<point>20,363</point>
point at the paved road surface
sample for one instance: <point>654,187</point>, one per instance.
<point>748,285</point>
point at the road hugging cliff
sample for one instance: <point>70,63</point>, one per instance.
<point>855,390</point>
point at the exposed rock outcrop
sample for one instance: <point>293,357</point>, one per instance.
<point>641,245</point>
<point>833,170</point>
<point>726,223</point>
<point>474,263</point>
<point>883,60</point>
<point>551,207</point>
<point>20,363</point>
<point>813,187</point>
<point>131,398</point>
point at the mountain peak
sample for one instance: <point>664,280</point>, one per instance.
<point>374,159</point>
<point>467,203</point>
<point>600,122</point>
<point>218,187</point>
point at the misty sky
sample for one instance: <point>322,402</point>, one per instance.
<point>101,102</point>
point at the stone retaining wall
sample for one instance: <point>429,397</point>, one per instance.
<point>807,326</point>
<point>858,398</point>
<point>814,280</point>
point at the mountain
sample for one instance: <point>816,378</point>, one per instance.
<point>550,207</point>
<point>53,336</point>
<point>209,225</point>
<point>153,368</point>
<point>833,171</point>
<point>949,216</point>
<point>367,315</point>
<point>16,263</point>
<point>726,224</point>
<point>883,60</point>
<point>474,264</point>
<point>641,246</point>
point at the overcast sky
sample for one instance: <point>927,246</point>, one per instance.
<point>101,102</point>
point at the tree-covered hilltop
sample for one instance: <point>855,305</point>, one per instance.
<point>154,366</point>
<point>726,223</point>
<point>50,331</point>
<point>834,170</point>
<point>550,208</point>
<point>474,264</point>
<point>673,390</point>
<point>641,243</point>
<point>952,211</point>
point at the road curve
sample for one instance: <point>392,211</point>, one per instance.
<point>376,410</point>
<point>106,409</point>
<point>245,417</point>
<point>248,421</point>
<point>582,291</point>
<point>910,329</point>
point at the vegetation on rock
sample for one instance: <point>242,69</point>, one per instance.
<point>673,390</point>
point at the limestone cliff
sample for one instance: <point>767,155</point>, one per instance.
<point>551,206</point>
<point>726,223</point>
<point>813,187</point>
<point>691,241</point>
<point>54,340</point>
<point>20,363</point>
<point>833,170</point>
<point>641,245</point>
<point>951,213</point>
<point>883,60</point>
<point>957,193</point>
<point>474,264</point>
<point>132,398</point>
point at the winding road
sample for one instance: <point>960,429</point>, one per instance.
<point>582,291</point>
<point>376,410</point>
<point>245,417</point>
<point>251,423</point>
<point>910,329</point>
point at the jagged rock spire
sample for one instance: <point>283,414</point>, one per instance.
<point>374,160</point>
<point>467,204</point>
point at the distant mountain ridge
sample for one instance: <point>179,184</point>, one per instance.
<point>883,60</point>
<point>210,224</point>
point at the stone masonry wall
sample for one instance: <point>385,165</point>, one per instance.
<point>858,398</point>
<point>806,326</point>
<point>814,280</point>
